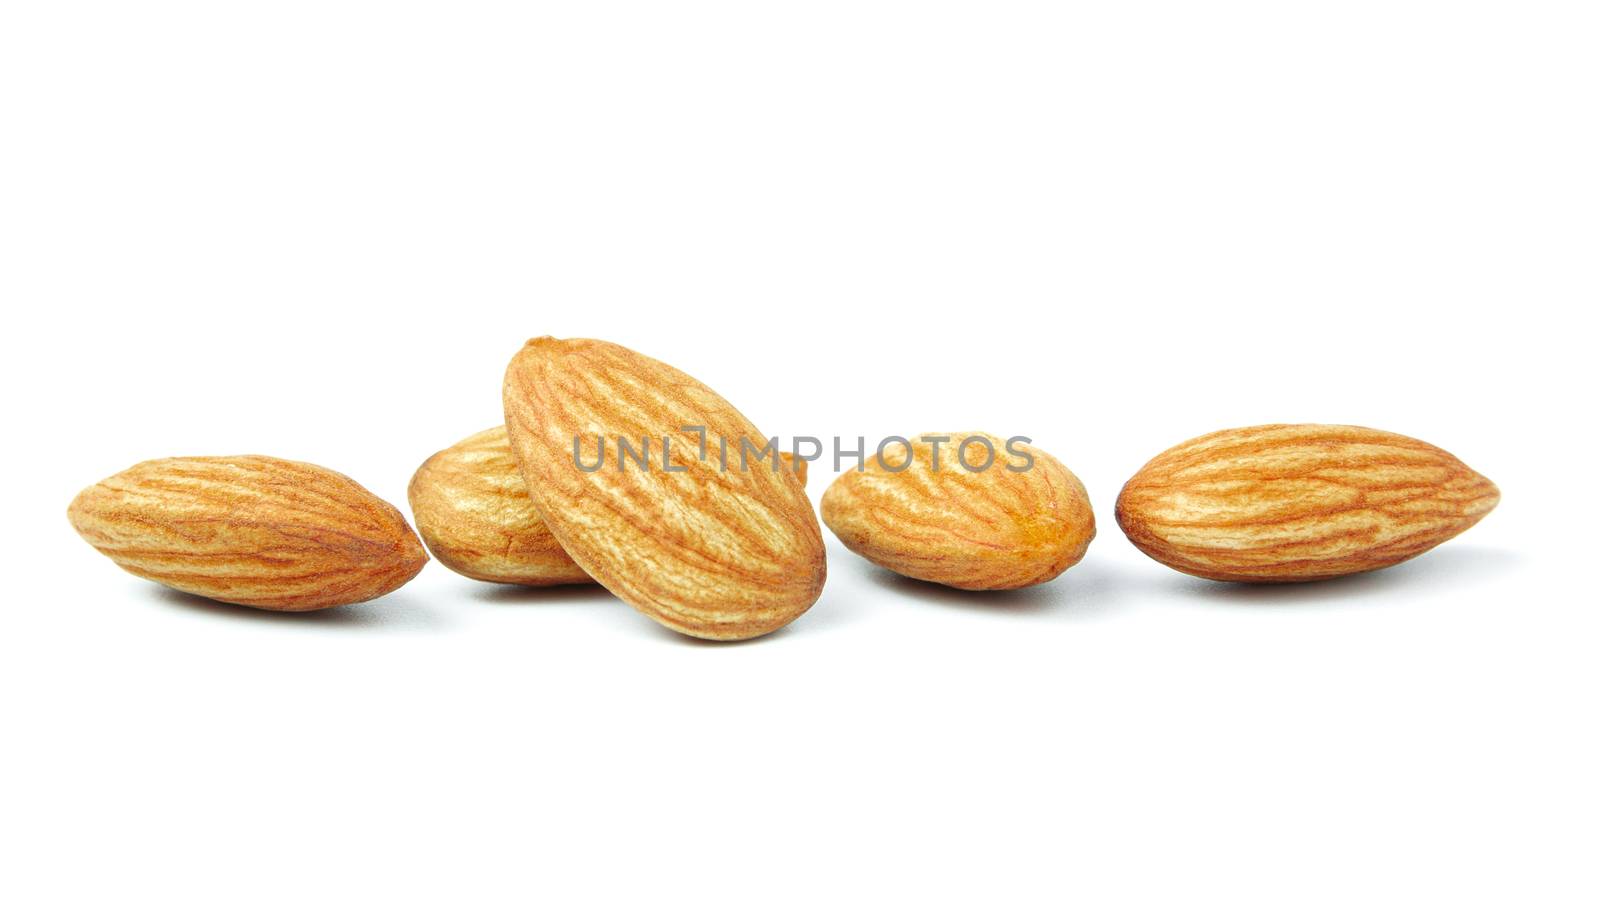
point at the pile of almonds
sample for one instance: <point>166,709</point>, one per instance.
<point>729,552</point>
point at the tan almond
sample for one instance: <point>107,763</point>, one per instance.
<point>472,509</point>
<point>924,514</point>
<point>723,552</point>
<point>250,530</point>
<point>1299,502</point>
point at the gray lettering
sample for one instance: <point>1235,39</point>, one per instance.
<point>961,452</point>
<point>770,448</point>
<point>666,456</point>
<point>935,440</point>
<point>701,430</point>
<point>577,455</point>
<point>1012,449</point>
<point>860,453</point>
<point>625,450</point>
<point>884,444</point>
<point>809,457</point>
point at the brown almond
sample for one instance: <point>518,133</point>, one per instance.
<point>1299,502</point>
<point>250,530</point>
<point>723,552</point>
<point>928,516</point>
<point>472,509</point>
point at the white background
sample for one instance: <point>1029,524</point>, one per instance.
<point>320,230</point>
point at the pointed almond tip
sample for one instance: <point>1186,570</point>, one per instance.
<point>545,347</point>
<point>1491,495</point>
<point>416,560</point>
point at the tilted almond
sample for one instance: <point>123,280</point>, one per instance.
<point>1299,502</point>
<point>723,552</point>
<point>928,516</point>
<point>472,509</point>
<point>250,530</point>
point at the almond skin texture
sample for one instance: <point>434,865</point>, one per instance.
<point>797,465</point>
<point>473,511</point>
<point>723,553</point>
<point>1280,503</point>
<point>250,530</point>
<point>994,529</point>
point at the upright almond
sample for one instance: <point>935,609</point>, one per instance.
<point>250,530</point>
<point>1299,502</point>
<point>715,550</point>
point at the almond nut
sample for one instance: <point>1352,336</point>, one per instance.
<point>472,510</point>
<point>929,516</point>
<point>250,530</point>
<point>720,551</point>
<point>1299,502</point>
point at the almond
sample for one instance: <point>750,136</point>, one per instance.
<point>924,514</point>
<point>472,509</point>
<point>1299,502</point>
<point>250,530</point>
<point>724,552</point>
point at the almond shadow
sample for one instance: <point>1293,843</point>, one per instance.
<point>702,643</point>
<point>1083,589</point>
<point>517,594</point>
<point>382,612</point>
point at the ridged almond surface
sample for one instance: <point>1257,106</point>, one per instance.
<point>473,511</point>
<point>1299,502</point>
<point>714,551</point>
<point>250,530</point>
<point>797,465</point>
<point>994,529</point>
